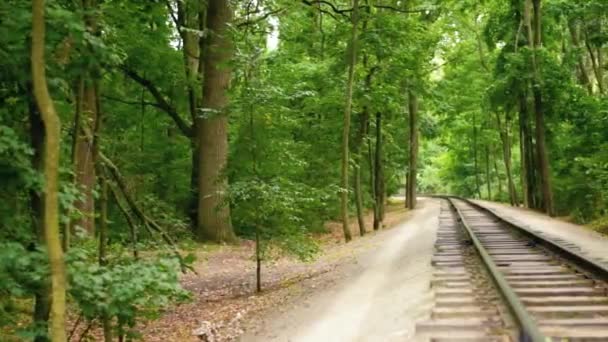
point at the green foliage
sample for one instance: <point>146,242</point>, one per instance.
<point>125,291</point>
<point>279,211</point>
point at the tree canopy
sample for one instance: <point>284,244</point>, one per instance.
<point>131,129</point>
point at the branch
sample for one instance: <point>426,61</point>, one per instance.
<point>333,7</point>
<point>343,12</point>
<point>419,10</point>
<point>134,103</point>
<point>128,217</point>
<point>173,17</point>
<point>149,224</point>
<point>260,18</point>
<point>162,103</point>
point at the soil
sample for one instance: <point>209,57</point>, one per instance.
<point>377,297</point>
<point>353,281</point>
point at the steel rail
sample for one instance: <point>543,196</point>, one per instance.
<point>529,331</point>
<point>581,261</point>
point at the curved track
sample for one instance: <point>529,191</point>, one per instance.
<point>509,283</point>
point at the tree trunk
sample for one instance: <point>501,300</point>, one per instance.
<point>534,40</point>
<point>488,178</point>
<point>358,153</point>
<point>190,16</point>
<point>583,76</point>
<point>85,153</point>
<point>361,137</point>
<point>527,152</point>
<point>103,241</point>
<point>258,261</point>
<point>346,124</point>
<point>378,176</point>
<point>475,160</point>
<point>372,171</point>
<point>212,129</point>
<point>410,196</point>
<point>595,64</point>
<point>84,162</point>
<point>52,128</point>
<point>506,157</point>
<point>41,300</point>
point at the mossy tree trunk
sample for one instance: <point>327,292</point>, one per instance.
<point>52,128</point>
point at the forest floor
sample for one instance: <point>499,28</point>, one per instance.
<point>377,297</point>
<point>225,305</point>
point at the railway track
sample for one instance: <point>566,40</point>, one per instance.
<point>497,281</point>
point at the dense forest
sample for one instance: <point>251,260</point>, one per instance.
<point>131,131</point>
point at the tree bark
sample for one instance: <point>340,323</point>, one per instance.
<point>85,149</point>
<point>84,163</point>
<point>488,177</point>
<point>190,16</point>
<point>583,76</point>
<point>346,125</point>
<point>357,181</point>
<point>41,298</point>
<point>52,128</point>
<point>103,241</point>
<point>475,159</point>
<point>595,63</point>
<point>213,212</point>
<point>361,137</point>
<point>534,40</point>
<point>410,196</point>
<point>506,157</point>
<point>378,175</point>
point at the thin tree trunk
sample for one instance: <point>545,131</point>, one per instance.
<point>361,137</point>
<point>212,131</point>
<point>523,162</point>
<point>41,300</point>
<point>600,70</point>
<point>103,241</point>
<point>379,175</point>
<point>595,63</point>
<point>52,128</point>
<point>85,149</point>
<point>506,157</point>
<point>584,79</point>
<point>258,262</point>
<point>488,178</point>
<point>346,124</point>
<point>498,176</point>
<point>534,39</point>
<point>189,18</point>
<point>476,164</point>
<point>410,197</point>
<point>372,170</point>
<point>358,153</point>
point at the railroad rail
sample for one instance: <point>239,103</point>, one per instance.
<point>497,280</point>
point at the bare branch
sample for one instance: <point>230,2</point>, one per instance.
<point>134,103</point>
<point>162,103</point>
<point>260,18</point>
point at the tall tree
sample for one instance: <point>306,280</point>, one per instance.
<point>533,19</point>
<point>212,126</point>
<point>410,196</point>
<point>52,140</point>
<point>86,118</point>
<point>348,107</point>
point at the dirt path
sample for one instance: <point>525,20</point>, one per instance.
<point>378,297</point>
